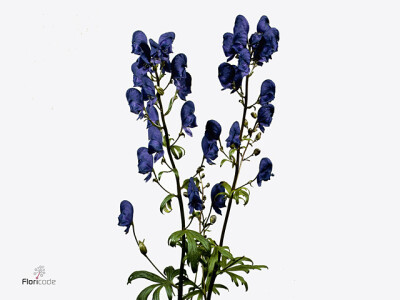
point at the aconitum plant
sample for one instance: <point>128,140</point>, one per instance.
<point>203,257</point>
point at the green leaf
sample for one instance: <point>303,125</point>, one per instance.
<point>212,261</point>
<point>223,161</point>
<point>144,294</point>
<point>218,286</point>
<point>156,294</point>
<point>236,278</point>
<point>145,275</point>
<point>246,268</point>
<point>177,151</point>
<point>166,204</point>
<point>171,102</point>
<point>175,172</point>
<point>190,295</point>
<point>162,172</point>
<point>227,187</point>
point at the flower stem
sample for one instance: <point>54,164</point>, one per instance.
<point>235,179</point>
<point>178,188</point>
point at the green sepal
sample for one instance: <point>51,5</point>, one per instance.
<point>177,151</point>
<point>166,204</point>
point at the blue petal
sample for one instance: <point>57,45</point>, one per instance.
<point>263,24</point>
<point>267,93</point>
<point>138,38</point>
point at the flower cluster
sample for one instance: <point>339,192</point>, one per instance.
<point>142,98</point>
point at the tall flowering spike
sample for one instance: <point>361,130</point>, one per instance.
<point>265,115</point>
<point>218,201</point>
<point>213,130</point>
<point>210,150</point>
<point>267,93</point>
<point>195,203</point>
<point>265,170</point>
<point>155,142</point>
<point>234,136</point>
<point>126,216</point>
<point>145,162</point>
<point>135,102</point>
<point>179,64</point>
<point>138,38</point>
<point>188,118</point>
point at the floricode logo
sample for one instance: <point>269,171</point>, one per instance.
<point>39,272</point>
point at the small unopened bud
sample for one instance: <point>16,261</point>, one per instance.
<point>163,160</point>
<point>204,198</point>
<point>160,90</point>
<point>213,219</point>
<point>202,176</point>
<point>254,114</point>
<point>256,152</point>
<point>142,247</point>
<point>200,169</point>
<point>185,194</point>
<point>246,123</point>
<point>207,185</point>
<point>250,131</point>
<point>258,136</point>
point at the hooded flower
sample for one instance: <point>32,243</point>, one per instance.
<point>195,203</point>
<point>188,118</point>
<point>145,162</point>
<point>265,170</point>
<point>227,45</point>
<point>178,66</point>
<point>155,142</point>
<point>230,76</point>
<point>213,130</point>
<point>152,114</point>
<point>126,216</point>
<point>210,149</point>
<point>265,41</point>
<point>218,201</point>
<point>148,89</point>
<point>135,101</point>
<point>267,92</point>
<point>183,86</point>
<point>264,116</point>
<point>234,136</point>
<point>160,51</point>
<point>240,33</point>
<point>138,74</point>
<point>138,38</point>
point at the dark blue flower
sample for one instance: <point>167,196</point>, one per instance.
<point>183,86</point>
<point>148,89</point>
<point>227,46</point>
<point>152,114</point>
<point>160,51</point>
<point>188,118</point>
<point>267,93</point>
<point>195,203</point>
<point>155,142</point>
<point>138,74</point>
<point>178,66</point>
<point>265,41</point>
<point>230,76</point>
<point>144,60</point>
<point>138,38</point>
<point>135,101</point>
<point>234,135</point>
<point>210,149</point>
<point>126,216</point>
<point>244,62</point>
<point>218,201</point>
<point>240,33</point>
<point>265,115</point>
<point>145,162</point>
<point>165,41</point>
<point>213,130</point>
<point>265,169</point>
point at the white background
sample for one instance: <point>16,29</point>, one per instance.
<point>327,224</point>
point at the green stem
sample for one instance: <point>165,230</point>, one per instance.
<point>235,179</point>
<point>178,188</point>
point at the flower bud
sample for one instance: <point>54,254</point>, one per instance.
<point>258,136</point>
<point>202,176</point>
<point>160,90</point>
<point>246,123</point>
<point>200,169</point>
<point>142,247</point>
<point>207,185</point>
<point>185,194</point>
<point>250,131</point>
<point>254,114</point>
<point>204,198</point>
<point>256,152</point>
<point>213,219</point>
